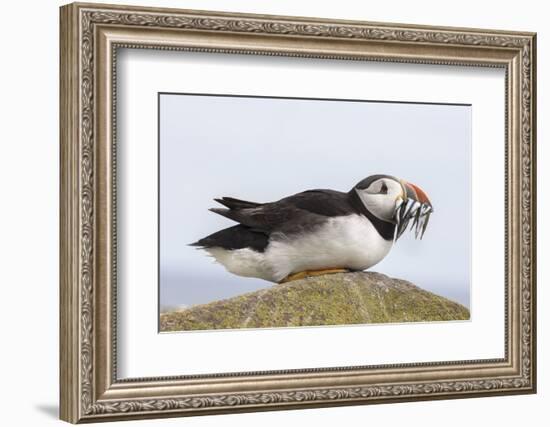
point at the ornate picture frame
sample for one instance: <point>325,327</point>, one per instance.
<point>90,37</point>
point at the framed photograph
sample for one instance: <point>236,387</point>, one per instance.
<point>267,212</point>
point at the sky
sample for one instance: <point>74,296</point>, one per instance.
<point>264,149</point>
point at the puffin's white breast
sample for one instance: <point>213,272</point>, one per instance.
<point>341,242</point>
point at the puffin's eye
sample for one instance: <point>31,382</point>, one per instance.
<point>383,188</point>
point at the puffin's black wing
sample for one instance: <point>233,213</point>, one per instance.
<point>291,214</point>
<point>301,212</point>
<point>321,202</point>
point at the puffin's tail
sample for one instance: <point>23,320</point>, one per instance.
<point>231,203</point>
<point>235,209</point>
<point>236,237</point>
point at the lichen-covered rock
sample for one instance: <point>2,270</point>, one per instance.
<point>334,299</point>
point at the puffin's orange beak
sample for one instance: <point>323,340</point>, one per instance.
<point>416,193</point>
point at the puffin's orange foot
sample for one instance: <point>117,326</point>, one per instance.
<point>311,273</point>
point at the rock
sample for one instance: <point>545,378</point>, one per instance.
<point>333,299</point>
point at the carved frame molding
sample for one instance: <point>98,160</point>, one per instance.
<point>90,35</point>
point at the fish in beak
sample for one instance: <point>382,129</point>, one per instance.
<point>414,205</point>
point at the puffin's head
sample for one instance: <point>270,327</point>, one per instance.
<point>395,200</point>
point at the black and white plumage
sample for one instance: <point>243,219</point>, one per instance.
<point>317,229</point>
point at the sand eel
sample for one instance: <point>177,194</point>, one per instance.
<point>317,231</point>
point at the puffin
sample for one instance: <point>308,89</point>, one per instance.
<point>317,232</point>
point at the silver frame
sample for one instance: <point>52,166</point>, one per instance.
<point>90,37</point>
